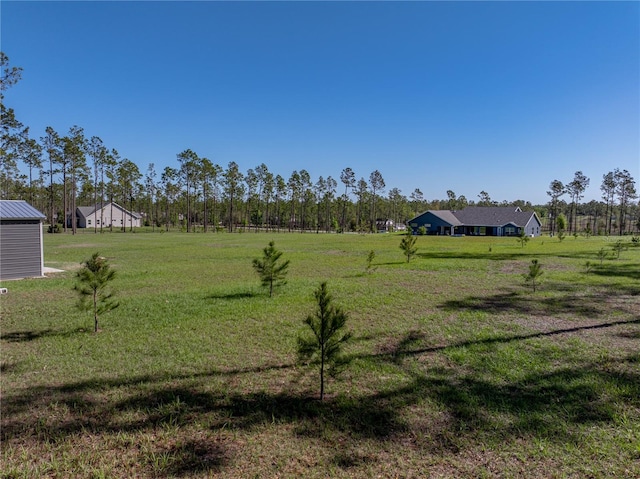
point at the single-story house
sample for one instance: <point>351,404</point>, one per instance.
<point>389,226</point>
<point>479,221</point>
<point>21,250</point>
<point>109,214</point>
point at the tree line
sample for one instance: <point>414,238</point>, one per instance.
<point>59,171</point>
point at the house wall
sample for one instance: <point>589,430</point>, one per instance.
<point>21,249</point>
<point>430,221</point>
<point>533,227</point>
<point>118,219</point>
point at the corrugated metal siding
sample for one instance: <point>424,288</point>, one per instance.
<point>20,250</point>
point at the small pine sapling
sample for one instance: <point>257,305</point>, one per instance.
<point>92,286</point>
<point>327,324</point>
<point>588,266</point>
<point>370,257</point>
<point>535,271</point>
<point>523,238</point>
<point>408,245</point>
<point>561,223</point>
<point>602,254</point>
<point>618,247</point>
<point>270,271</point>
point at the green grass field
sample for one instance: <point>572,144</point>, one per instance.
<point>457,368</point>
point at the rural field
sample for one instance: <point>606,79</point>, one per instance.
<point>458,368</point>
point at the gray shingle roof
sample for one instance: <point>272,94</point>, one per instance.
<point>18,210</point>
<point>492,216</point>
<point>446,215</point>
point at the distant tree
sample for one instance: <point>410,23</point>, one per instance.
<point>98,154</point>
<point>625,191</point>
<point>452,203</point>
<point>51,144</point>
<point>252,181</point>
<point>93,287</point>
<point>608,188</point>
<point>348,178</point>
<point>535,271</point>
<point>377,186</point>
<point>271,272</point>
<point>485,199</point>
<point>416,201</point>
<point>556,190</point>
<point>12,132</point>
<point>74,151</point>
<point>361,193</point>
<point>281,192</point>
<point>170,189</point>
<point>189,172</point>
<point>233,188</point>
<point>129,175</point>
<point>576,190</point>
<point>327,325</point>
<point>408,245</point>
<point>150,188</point>
<point>30,153</point>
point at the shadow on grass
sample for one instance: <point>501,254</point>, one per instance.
<point>495,256</point>
<point>8,367</point>
<point>25,336</point>
<point>458,408</point>
<point>406,346</point>
<point>618,271</point>
<point>591,305</point>
<point>232,296</point>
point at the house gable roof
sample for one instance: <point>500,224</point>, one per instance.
<point>446,216</point>
<point>86,211</point>
<point>18,210</point>
<point>493,216</point>
<point>481,216</point>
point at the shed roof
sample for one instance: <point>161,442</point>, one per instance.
<point>18,210</point>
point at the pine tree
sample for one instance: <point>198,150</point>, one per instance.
<point>535,271</point>
<point>271,273</point>
<point>93,282</point>
<point>408,245</point>
<point>327,325</point>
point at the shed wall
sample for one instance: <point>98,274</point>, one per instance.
<point>20,249</point>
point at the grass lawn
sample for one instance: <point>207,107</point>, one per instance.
<point>458,369</point>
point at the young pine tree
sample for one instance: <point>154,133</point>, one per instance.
<point>535,271</point>
<point>370,257</point>
<point>523,239</point>
<point>92,286</point>
<point>327,325</point>
<point>408,245</point>
<point>270,271</point>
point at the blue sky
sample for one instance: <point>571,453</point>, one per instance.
<point>468,96</point>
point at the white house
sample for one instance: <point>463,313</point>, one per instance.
<point>110,214</point>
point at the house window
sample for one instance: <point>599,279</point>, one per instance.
<point>509,230</point>
<point>97,222</point>
<point>89,222</point>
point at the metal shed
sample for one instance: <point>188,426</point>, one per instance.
<point>21,252</point>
